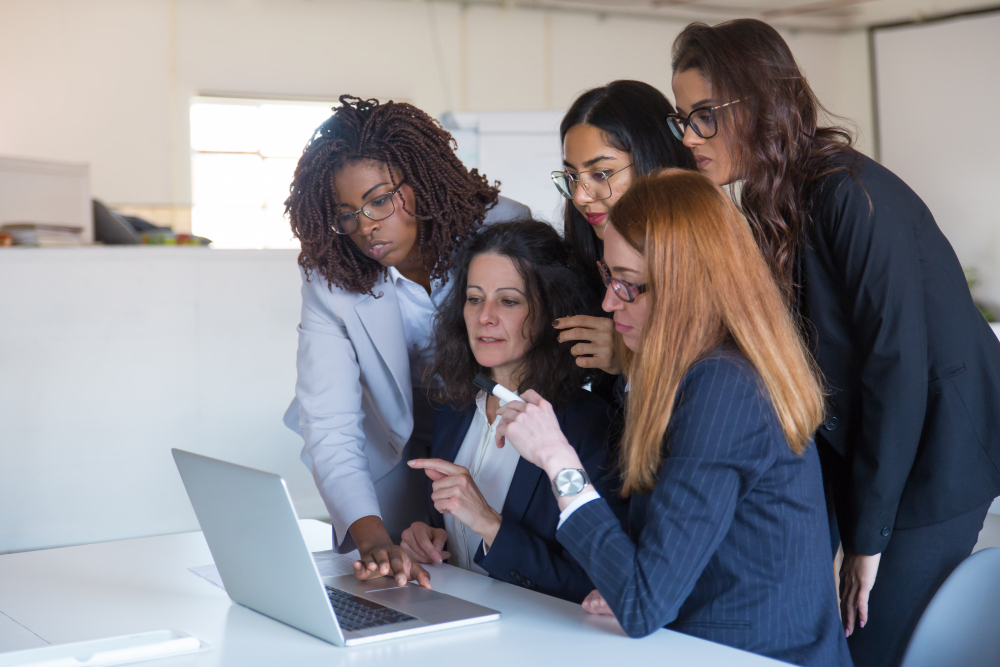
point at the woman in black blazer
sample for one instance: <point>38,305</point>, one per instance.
<point>491,511</point>
<point>911,441</point>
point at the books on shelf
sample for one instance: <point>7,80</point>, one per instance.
<point>43,235</point>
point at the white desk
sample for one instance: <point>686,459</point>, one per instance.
<point>116,588</point>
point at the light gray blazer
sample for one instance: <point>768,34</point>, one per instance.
<point>354,397</point>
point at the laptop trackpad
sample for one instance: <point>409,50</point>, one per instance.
<point>405,595</point>
<point>427,605</point>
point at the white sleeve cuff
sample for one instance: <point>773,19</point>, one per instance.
<point>582,500</point>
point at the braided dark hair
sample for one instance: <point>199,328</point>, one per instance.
<point>450,201</point>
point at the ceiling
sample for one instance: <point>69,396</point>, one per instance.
<point>809,14</point>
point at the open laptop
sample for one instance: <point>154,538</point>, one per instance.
<point>253,532</point>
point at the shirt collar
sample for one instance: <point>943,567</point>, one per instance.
<point>396,278</point>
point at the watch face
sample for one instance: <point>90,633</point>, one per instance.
<point>569,482</point>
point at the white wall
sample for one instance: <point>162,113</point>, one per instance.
<point>109,82</point>
<point>939,96</point>
<point>111,356</point>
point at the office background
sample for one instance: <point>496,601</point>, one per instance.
<point>109,356</point>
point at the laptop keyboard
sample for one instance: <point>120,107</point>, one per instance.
<point>356,613</point>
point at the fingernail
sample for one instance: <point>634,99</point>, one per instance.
<point>863,623</point>
<point>555,323</point>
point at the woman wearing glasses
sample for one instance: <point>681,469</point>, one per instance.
<point>911,442</point>
<point>380,203</point>
<point>610,136</point>
<point>726,496</point>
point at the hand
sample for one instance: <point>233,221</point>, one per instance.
<point>598,349</point>
<point>857,576</point>
<point>425,544</point>
<point>383,560</point>
<point>594,603</point>
<point>380,557</point>
<point>454,492</point>
<point>532,429</point>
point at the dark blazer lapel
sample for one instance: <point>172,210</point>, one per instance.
<point>522,485</point>
<point>450,428</point>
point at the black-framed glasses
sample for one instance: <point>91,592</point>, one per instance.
<point>627,292</point>
<point>701,120</point>
<point>377,208</point>
<point>597,184</point>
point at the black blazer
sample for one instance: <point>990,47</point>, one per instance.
<point>912,368</point>
<point>731,545</point>
<point>525,551</point>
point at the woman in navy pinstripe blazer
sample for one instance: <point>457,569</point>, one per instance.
<point>727,515</point>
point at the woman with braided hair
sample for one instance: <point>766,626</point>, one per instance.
<point>380,203</point>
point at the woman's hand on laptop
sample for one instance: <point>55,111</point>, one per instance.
<point>455,493</point>
<point>425,544</point>
<point>380,557</point>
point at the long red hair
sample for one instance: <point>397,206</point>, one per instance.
<point>708,284</point>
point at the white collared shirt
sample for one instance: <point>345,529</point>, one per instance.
<point>492,469</point>
<point>418,309</point>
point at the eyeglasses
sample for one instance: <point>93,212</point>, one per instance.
<point>379,208</point>
<point>597,184</point>
<point>701,120</point>
<point>627,292</point>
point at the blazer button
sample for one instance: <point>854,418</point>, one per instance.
<point>831,423</point>
<point>885,532</point>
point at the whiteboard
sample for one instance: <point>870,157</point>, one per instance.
<point>938,101</point>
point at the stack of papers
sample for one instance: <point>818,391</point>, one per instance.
<point>43,236</point>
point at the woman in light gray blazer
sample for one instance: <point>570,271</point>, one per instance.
<point>380,203</point>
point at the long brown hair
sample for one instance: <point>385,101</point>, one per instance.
<point>708,285</point>
<point>775,141</point>
<point>451,201</point>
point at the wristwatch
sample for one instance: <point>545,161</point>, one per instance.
<point>569,482</point>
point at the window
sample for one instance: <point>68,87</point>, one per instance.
<point>243,157</point>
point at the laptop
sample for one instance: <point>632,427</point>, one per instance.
<point>253,533</point>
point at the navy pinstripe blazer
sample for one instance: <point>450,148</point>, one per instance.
<point>731,544</point>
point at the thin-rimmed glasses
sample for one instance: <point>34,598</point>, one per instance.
<point>376,209</point>
<point>627,292</point>
<point>597,184</point>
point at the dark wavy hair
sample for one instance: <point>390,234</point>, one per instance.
<point>556,286</point>
<point>633,117</point>
<point>451,201</point>
<point>777,147</point>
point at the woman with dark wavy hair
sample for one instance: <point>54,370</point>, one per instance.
<point>911,441</point>
<point>491,511</point>
<point>610,136</point>
<point>381,203</point>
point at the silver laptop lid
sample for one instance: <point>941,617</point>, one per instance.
<point>253,533</point>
